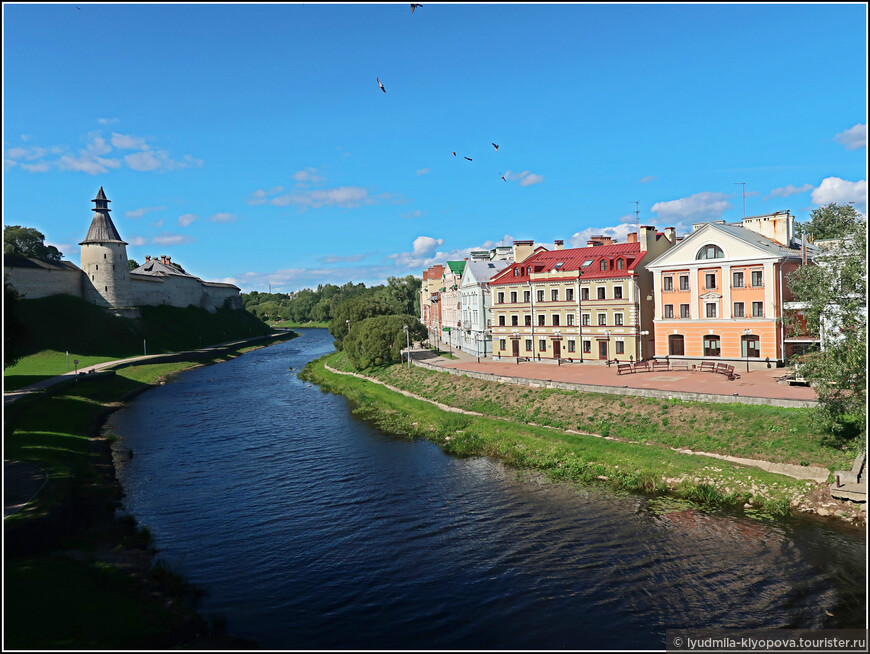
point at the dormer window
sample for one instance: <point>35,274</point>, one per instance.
<point>620,264</point>
<point>604,264</point>
<point>516,272</point>
<point>710,251</point>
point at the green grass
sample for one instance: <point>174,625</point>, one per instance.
<point>45,364</point>
<point>782,435</point>
<point>561,455</point>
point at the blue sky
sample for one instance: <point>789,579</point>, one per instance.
<point>252,144</point>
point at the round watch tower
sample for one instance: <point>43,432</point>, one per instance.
<point>104,260</point>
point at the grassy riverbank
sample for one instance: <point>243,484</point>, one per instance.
<point>76,575</point>
<point>644,462</point>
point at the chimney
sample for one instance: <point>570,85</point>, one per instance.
<point>522,250</point>
<point>631,238</point>
<point>559,245</point>
<point>163,259</point>
<point>168,259</point>
<point>596,241</point>
<point>646,237</point>
<point>147,258</point>
<point>671,234</point>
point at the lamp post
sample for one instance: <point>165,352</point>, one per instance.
<point>607,334</point>
<point>643,334</point>
<point>408,340</point>
<point>747,332</point>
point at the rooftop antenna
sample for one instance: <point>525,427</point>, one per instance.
<point>636,215</point>
<point>744,197</point>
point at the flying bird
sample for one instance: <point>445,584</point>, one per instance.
<point>453,153</point>
<point>502,177</point>
<point>381,85</point>
<point>469,158</point>
<point>414,5</point>
<point>495,146</point>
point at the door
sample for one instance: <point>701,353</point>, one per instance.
<point>557,350</point>
<point>516,347</point>
<point>602,350</point>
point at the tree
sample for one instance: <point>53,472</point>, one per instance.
<point>831,221</point>
<point>379,341</point>
<point>357,309</point>
<point>28,242</point>
<point>833,293</point>
<point>14,332</point>
<point>132,264</point>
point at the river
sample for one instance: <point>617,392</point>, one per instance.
<point>312,530</point>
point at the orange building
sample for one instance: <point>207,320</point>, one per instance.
<point>430,300</point>
<point>719,293</point>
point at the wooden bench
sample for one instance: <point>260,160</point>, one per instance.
<point>624,367</point>
<point>707,366</point>
<point>642,366</point>
<point>660,365</point>
<point>727,370</point>
<point>679,366</point>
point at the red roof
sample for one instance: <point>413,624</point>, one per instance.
<point>572,260</point>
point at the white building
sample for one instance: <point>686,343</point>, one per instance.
<point>475,300</point>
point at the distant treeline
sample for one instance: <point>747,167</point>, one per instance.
<point>402,294</point>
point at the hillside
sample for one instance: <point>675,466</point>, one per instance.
<point>63,323</point>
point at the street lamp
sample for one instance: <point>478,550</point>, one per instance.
<point>643,345</point>
<point>746,332</point>
<point>408,340</point>
<point>607,334</point>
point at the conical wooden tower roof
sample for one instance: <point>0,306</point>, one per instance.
<point>102,229</point>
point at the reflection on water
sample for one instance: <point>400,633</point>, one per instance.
<point>312,530</point>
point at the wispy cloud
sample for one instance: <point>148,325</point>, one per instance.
<point>127,142</point>
<point>261,196</point>
<point>108,121</point>
<point>617,232</point>
<point>416,213</point>
<point>841,191</point>
<point>347,197</point>
<point>525,178</point>
<point>700,206</point>
<point>223,218</point>
<point>186,219</point>
<point>647,179</point>
<point>422,171</point>
<point>854,137</point>
<point>307,176</point>
<point>138,213</point>
<point>335,258</point>
<point>787,191</point>
<point>167,238</point>
<point>137,241</point>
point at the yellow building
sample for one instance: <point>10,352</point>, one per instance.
<point>584,304</point>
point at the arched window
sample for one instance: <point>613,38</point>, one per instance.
<point>620,264</point>
<point>710,251</point>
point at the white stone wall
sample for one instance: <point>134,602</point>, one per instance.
<point>107,274</point>
<point>34,283</point>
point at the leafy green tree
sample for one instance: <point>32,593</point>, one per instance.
<point>132,264</point>
<point>28,242</point>
<point>357,309</point>
<point>834,295</point>
<point>378,341</point>
<point>14,332</point>
<point>830,221</point>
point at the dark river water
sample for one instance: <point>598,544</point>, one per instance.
<point>311,530</point>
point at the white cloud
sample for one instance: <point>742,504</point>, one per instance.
<point>854,137</point>
<point>126,142</point>
<point>834,189</point>
<point>525,178</point>
<point>701,206</point>
<point>138,213</point>
<point>618,233</point>
<point>41,167</point>
<point>425,244</point>
<point>336,258</point>
<point>186,219</point>
<point>172,239</point>
<point>347,197</point>
<point>647,179</point>
<point>143,161</point>
<point>787,191</point>
<point>86,163</point>
<point>223,218</point>
<point>416,213</point>
<point>108,121</point>
<point>137,241</point>
<point>307,176</point>
<point>260,196</point>
<point>159,160</point>
<point>422,171</point>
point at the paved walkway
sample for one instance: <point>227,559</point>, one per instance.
<point>755,383</point>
